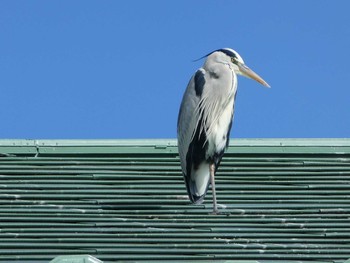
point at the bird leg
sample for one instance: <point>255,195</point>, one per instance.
<point>212,181</point>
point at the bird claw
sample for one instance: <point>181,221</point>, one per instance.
<point>222,206</point>
<point>216,210</point>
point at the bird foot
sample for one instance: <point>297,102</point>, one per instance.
<point>216,210</point>
<point>222,206</point>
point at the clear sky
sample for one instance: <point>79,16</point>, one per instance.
<point>118,69</point>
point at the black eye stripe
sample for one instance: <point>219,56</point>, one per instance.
<point>228,53</point>
<point>223,50</point>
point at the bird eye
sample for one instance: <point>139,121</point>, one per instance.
<point>233,60</point>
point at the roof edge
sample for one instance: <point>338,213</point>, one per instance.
<point>173,142</point>
<point>166,146</point>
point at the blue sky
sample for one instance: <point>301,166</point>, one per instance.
<point>118,69</point>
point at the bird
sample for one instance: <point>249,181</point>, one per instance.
<point>205,120</point>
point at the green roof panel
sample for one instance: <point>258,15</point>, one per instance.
<point>281,200</point>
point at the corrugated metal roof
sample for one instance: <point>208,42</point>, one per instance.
<point>124,200</point>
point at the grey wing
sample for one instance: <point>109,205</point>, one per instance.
<point>188,116</point>
<point>191,142</point>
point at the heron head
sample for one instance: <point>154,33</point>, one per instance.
<point>231,57</point>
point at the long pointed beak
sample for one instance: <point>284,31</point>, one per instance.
<point>245,71</point>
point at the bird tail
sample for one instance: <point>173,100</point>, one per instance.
<point>197,183</point>
<point>192,192</point>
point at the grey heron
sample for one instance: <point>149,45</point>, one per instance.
<point>205,119</point>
